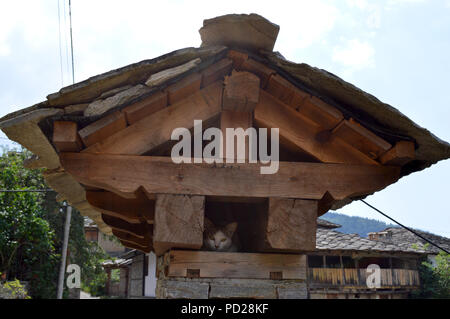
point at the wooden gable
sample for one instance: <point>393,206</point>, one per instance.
<point>331,157</point>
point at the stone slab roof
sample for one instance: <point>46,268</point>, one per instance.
<point>327,239</point>
<point>403,238</point>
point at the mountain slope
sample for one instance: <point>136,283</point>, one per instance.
<point>355,224</point>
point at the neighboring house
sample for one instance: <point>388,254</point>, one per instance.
<point>110,246</point>
<point>137,275</point>
<point>337,269</point>
<point>402,238</point>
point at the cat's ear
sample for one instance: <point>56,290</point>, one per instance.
<point>208,224</point>
<point>231,228</point>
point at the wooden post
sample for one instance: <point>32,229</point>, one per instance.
<point>241,92</point>
<point>178,222</point>
<point>342,269</point>
<point>287,225</point>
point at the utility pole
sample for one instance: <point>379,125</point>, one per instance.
<point>62,268</point>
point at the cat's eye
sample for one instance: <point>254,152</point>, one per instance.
<point>223,239</point>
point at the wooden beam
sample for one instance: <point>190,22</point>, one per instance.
<point>183,88</point>
<point>132,210</point>
<point>291,225</point>
<point>297,131</point>
<point>126,174</point>
<point>216,72</point>
<point>101,129</point>
<point>286,92</point>
<point>236,265</point>
<point>325,204</point>
<point>262,71</point>
<point>140,230</point>
<point>131,245</point>
<point>156,129</point>
<point>65,136</point>
<point>142,242</point>
<point>241,92</point>
<point>178,222</point>
<point>321,113</point>
<point>145,107</point>
<point>402,153</point>
<point>238,58</point>
<point>233,119</point>
<point>361,138</point>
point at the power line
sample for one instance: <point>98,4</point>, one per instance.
<point>59,40</point>
<point>71,40</point>
<point>27,191</point>
<point>407,228</point>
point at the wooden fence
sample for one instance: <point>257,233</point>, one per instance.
<point>357,277</point>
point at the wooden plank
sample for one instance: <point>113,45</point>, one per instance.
<point>65,136</point>
<point>241,92</point>
<point>402,153</point>
<point>145,107</point>
<point>216,72</point>
<point>101,129</point>
<point>262,71</point>
<point>361,138</point>
<point>126,174</point>
<point>156,129</point>
<point>237,57</point>
<point>183,88</point>
<point>291,225</point>
<point>297,131</point>
<point>286,92</point>
<point>233,119</point>
<point>142,242</point>
<point>236,265</point>
<point>131,245</point>
<point>325,115</point>
<point>132,210</point>
<point>140,230</point>
<point>178,222</point>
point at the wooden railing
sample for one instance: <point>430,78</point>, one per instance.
<point>357,277</point>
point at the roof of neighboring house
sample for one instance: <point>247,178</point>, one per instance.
<point>117,263</point>
<point>404,238</point>
<point>326,224</point>
<point>89,222</point>
<point>327,239</point>
<point>101,95</point>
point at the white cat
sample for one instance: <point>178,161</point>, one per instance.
<point>220,238</point>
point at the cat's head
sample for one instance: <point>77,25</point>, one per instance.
<point>218,238</point>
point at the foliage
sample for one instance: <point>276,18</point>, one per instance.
<point>13,290</point>
<point>27,241</point>
<point>355,224</point>
<point>435,280</point>
<point>31,232</point>
<point>93,279</point>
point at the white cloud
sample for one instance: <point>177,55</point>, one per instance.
<point>355,54</point>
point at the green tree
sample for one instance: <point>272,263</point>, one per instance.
<point>435,280</point>
<point>31,232</point>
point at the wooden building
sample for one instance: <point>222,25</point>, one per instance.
<point>336,269</point>
<point>106,143</point>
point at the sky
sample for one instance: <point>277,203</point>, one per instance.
<point>397,50</point>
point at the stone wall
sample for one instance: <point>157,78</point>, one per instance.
<point>205,288</point>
